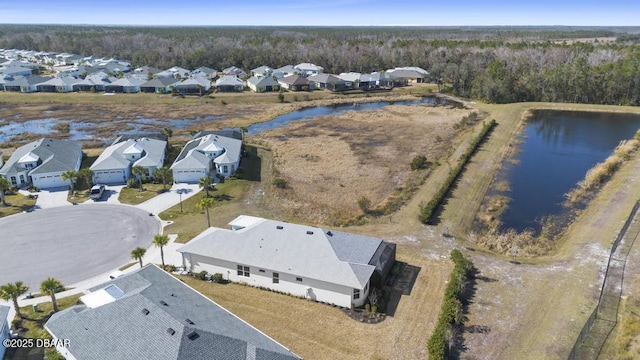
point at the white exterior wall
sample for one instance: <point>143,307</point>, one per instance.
<point>188,176</point>
<point>320,290</point>
<point>49,180</point>
<point>113,176</point>
<point>61,349</point>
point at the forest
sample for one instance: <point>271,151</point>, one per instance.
<point>599,65</point>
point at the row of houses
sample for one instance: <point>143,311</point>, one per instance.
<point>116,76</point>
<point>41,163</point>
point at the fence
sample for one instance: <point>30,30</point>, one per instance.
<point>605,316</point>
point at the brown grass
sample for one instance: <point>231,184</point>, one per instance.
<point>331,162</point>
<point>16,203</point>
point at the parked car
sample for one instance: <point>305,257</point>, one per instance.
<point>116,274</point>
<point>96,192</point>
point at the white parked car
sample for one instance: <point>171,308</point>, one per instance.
<point>96,192</point>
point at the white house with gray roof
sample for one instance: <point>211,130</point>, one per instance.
<point>114,165</point>
<point>149,314</point>
<point>42,163</point>
<point>306,261</point>
<point>263,83</point>
<point>209,154</point>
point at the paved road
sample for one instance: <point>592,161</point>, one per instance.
<point>71,243</point>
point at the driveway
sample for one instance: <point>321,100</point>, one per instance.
<point>166,200</point>
<point>51,198</point>
<point>71,243</point>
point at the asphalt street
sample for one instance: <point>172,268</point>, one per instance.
<point>71,243</point>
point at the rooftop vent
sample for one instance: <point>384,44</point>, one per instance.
<point>188,321</point>
<point>309,232</point>
<point>163,303</point>
<point>279,227</point>
<point>329,233</point>
<point>192,335</point>
<point>170,331</point>
<point>145,312</point>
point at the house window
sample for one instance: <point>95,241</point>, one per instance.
<point>13,180</point>
<point>299,279</point>
<point>276,278</point>
<point>225,168</point>
<point>243,271</point>
<point>356,294</point>
<point>22,179</point>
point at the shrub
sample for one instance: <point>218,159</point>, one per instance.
<point>217,277</point>
<point>419,162</point>
<point>374,309</point>
<point>281,97</point>
<point>202,274</point>
<point>367,307</point>
<point>280,183</point>
<point>364,204</point>
<point>133,184</point>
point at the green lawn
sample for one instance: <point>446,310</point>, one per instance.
<point>16,203</point>
<point>135,196</point>
<point>191,221</point>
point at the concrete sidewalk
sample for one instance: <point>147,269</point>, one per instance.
<point>167,200</point>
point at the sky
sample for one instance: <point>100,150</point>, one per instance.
<point>323,12</point>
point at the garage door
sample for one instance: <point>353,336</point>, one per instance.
<point>188,176</point>
<point>109,177</point>
<point>48,181</point>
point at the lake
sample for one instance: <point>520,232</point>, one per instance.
<point>557,150</point>
<point>310,113</point>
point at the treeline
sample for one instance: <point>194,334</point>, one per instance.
<point>496,64</point>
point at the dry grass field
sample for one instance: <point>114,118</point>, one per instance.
<point>332,161</point>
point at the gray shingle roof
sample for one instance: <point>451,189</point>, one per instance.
<point>191,157</point>
<point>160,82</point>
<point>260,81</point>
<point>55,156</point>
<point>123,330</point>
<point>295,249</point>
<point>113,157</point>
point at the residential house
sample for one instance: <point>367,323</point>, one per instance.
<point>353,80</point>
<point>232,70</point>
<point>114,165</point>
<point>286,70</point>
<point>263,83</point>
<point>376,80</point>
<point>65,59</point>
<point>4,328</point>
<point>205,71</point>
<point>25,84</point>
<point>145,72</point>
<point>328,81</point>
<point>16,70</point>
<point>296,83</point>
<point>174,72</point>
<point>262,71</point>
<point>57,84</point>
<point>159,85</point>
<point>96,81</point>
<point>150,314</point>
<point>42,163</point>
<point>308,69</point>
<point>318,264</point>
<point>194,85</point>
<point>229,83</point>
<point>125,85</point>
<point>208,154</point>
<point>408,75</point>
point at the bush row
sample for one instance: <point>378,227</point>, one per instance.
<point>429,209</point>
<point>452,313</point>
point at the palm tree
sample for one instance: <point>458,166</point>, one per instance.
<point>164,174</point>
<point>51,286</point>
<point>205,204</point>
<point>167,131</point>
<point>87,175</point>
<point>72,176</point>
<point>161,241</point>
<point>4,187</point>
<point>137,254</point>
<point>13,291</point>
<point>205,183</point>
<point>139,172</point>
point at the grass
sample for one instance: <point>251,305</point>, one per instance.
<point>192,221</point>
<point>318,331</point>
<point>17,203</point>
<point>125,267</point>
<point>134,196</point>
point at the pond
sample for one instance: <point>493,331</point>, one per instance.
<point>85,130</point>
<point>310,113</point>
<point>557,150</point>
